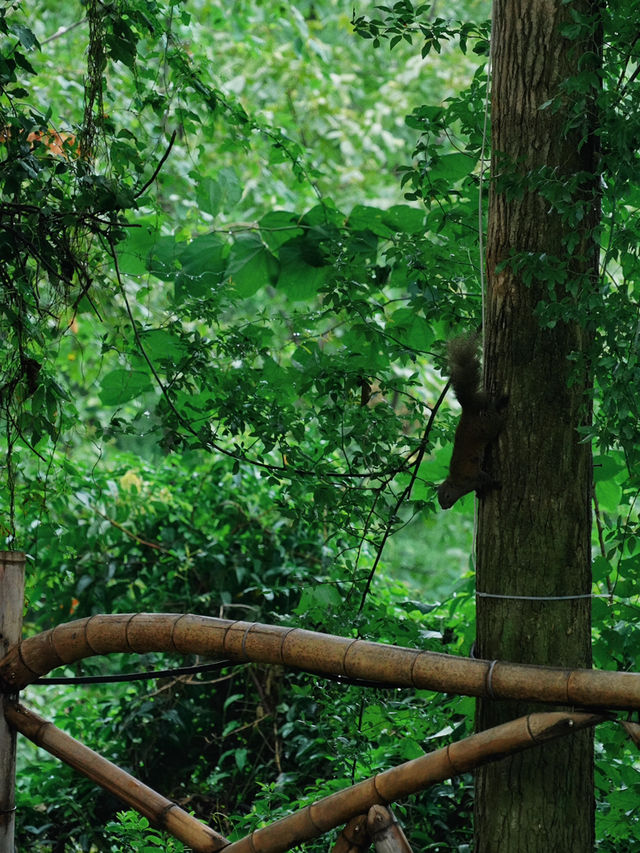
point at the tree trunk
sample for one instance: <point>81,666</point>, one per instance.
<point>535,532</point>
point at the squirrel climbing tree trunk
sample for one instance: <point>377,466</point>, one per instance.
<point>533,550</point>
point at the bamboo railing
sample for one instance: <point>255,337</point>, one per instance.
<point>158,809</point>
<point>237,642</point>
<point>410,777</point>
<point>325,814</point>
<point>325,654</point>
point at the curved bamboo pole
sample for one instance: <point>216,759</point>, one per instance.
<point>312,652</point>
<point>410,777</point>
<point>159,810</point>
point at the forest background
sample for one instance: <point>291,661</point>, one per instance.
<point>231,262</point>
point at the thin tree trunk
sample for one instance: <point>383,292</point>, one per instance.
<point>534,533</point>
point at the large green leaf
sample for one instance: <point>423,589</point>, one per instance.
<point>363,218</point>
<point>251,265</point>
<point>411,329</point>
<point>402,217</point>
<point>204,263</point>
<point>219,194</point>
<point>136,250</point>
<point>278,226</point>
<point>452,167</point>
<point>303,268</point>
<point>162,260</point>
<point>121,385</point>
<point>161,345</point>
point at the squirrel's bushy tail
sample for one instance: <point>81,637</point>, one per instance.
<point>465,370</point>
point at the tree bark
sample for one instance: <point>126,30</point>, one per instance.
<point>534,533</point>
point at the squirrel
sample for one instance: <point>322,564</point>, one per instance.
<point>481,421</point>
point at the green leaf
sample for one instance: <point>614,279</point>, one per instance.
<point>25,35</point>
<point>606,467</point>
<point>316,600</point>
<point>365,218</point>
<point>219,194</point>
<point>122,385</point>
<point>122,42</point>
<point>281,380</point>
<point>601,568</point>
<point>323,215</point>
<point>240,756</point>
<point>136,250</point>
<point>251,265</point>
<point>278,226</point>
<point>204,265</point>
<point>302,268</point>
<point>424,116</point>
<point>162,259</point>
<point>452,167</point>
<point>22,61</point>
<point>406,219</point>
<point>609,495</point>
<point>161,345</point>
<point>412,329</point>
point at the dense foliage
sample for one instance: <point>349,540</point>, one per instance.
<point>229,266</point>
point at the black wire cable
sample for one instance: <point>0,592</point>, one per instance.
<point>184,670</point>
<point>133,676</point>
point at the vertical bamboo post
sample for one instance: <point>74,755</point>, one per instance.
<point>11,607</point>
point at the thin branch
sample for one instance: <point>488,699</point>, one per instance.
<point>603,550</point>
<point>161,163</point>
<point>404,495</point>
<point>131,535</point>
<point>61,31</point>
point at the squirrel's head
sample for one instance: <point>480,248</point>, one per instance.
<point>448,493</point>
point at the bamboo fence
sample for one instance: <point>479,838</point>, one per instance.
<point>325,814</point>
<point>160,811</point>
<point>324,654</point>
<point>352,659</point>
<point>410,777</point>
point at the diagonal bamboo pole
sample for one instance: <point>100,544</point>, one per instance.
<point>312,652</point>
<point>158,809</point>
<point>410,777</point>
